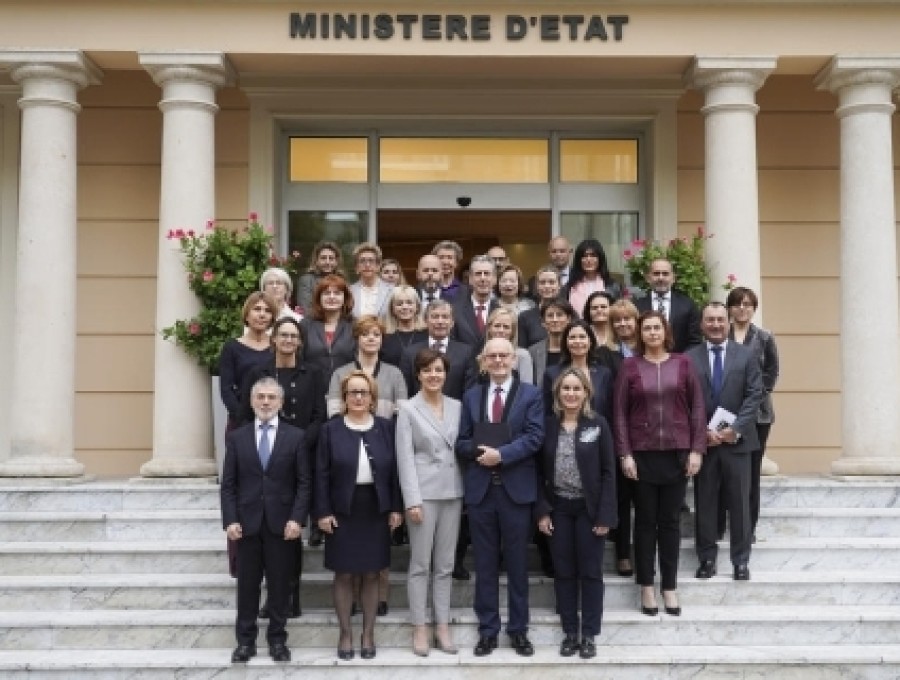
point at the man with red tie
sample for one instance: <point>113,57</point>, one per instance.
<point>470,312</point>
<point>500,433</point>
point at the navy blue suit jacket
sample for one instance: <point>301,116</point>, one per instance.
<point>524,412</point>
<point>338,461</point>
<point>596,466</point>
<point>277,494</point>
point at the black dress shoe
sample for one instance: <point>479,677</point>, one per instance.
<point>707,569</point>
<point>460,573</point>
<point>366,652</point>
<point>569,646</point>
<point>486,645</point>
<point>243,653</point>
<point>382,609</point>
<point>741,572</point>
<point>521,644</point>
<point>279,652</point>
<point>587,648</point>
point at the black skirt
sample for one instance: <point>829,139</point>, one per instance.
<point>362,540</point>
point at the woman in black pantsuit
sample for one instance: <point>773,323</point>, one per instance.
<point>357,503</point>
<point>577,507</point>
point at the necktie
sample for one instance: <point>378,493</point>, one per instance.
<point>718,374</point>
<point>265,450</point>
<point>661,304</point>
<point>439,346</point>
<point>479,317</point>
<point>429,298</point>
<point>497,405</point>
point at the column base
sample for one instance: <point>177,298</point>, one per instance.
<point>887,465</point>
<point>769,467</point>
<point>41,466</point>
<point>179,467</point>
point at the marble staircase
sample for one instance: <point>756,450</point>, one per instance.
<point>127,580</point>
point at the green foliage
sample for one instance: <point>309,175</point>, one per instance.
<point>688,263</point>
<point>224,266</point>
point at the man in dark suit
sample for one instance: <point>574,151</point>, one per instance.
<point>265,496</point>
<point>500,485</point>
<point>428,279</point>
<point>680,311</point>
<point>731,379</point>
<point>472,309</point>
<point>463,370</point>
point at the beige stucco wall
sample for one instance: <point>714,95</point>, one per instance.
<point>119,141</point>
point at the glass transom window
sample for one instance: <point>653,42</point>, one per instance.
<point>461,160</point>
<point>598,161</point>
<point>329,159</point>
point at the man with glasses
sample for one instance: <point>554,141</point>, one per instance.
<point>500,432</point>
<point>265,496</point>
<point>371,295</point>
<point>472,309</point>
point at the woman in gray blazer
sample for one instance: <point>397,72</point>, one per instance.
<point>431,482</point>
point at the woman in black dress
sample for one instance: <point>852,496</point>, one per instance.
<point>357,503</point>
<point>403,324</point>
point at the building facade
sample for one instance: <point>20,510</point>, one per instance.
<point>770,124</point>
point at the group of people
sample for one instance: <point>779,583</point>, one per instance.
<point>488,410</point>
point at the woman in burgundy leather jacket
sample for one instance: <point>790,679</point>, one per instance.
<point>660,431</point>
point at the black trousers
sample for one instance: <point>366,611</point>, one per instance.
<point>578,556</point>
<point>657,522</point>
<point>624,502</point>
<point>266,554</point>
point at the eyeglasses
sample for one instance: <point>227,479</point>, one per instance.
<point>287,336</point>
<point>270,284</point>
<point>358,394</point>
<point>367,260</point>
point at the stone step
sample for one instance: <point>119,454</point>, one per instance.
<point>730,626</point>
<point>208,557</point>
<point>174,494</point>
<point>625,662</point>
<point>214,591</point>
<point>131,525</point>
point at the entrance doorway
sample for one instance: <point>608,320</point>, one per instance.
<point>406,235</point>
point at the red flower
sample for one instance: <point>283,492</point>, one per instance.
<point>210,225</point>
<point>194,328</point>
<point>179,233</point>
<point>627,254</point>
<point>208,276</point>
<point>191,233</point>
<point>253,217</point>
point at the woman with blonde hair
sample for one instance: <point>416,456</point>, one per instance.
<point>502,323</point>
<point>357,503</point>
<point>403,324</point>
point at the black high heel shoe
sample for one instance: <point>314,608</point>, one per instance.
<point>366,652</point>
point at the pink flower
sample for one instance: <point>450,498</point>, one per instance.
<point>179,233</point>
<point>191,233</point>
<point>194,328</point>
<point>170,234</point>
<point>210,225</point>
<point>253,217</point>
<point>732,278</point>
<point>627,254</point>
<point>208,276</point>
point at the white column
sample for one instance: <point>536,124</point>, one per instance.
<point>732,196</point>
<point>182,416</point>
<point>42,393</point>
<point>870,327</point>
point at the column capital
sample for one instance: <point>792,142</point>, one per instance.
<point>69,65</point>
<point>863,83</point>
<point>211,68</point>
<point>710,71</point>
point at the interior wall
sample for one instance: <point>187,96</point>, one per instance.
<point>799,207</point>
<point>119,145</point>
